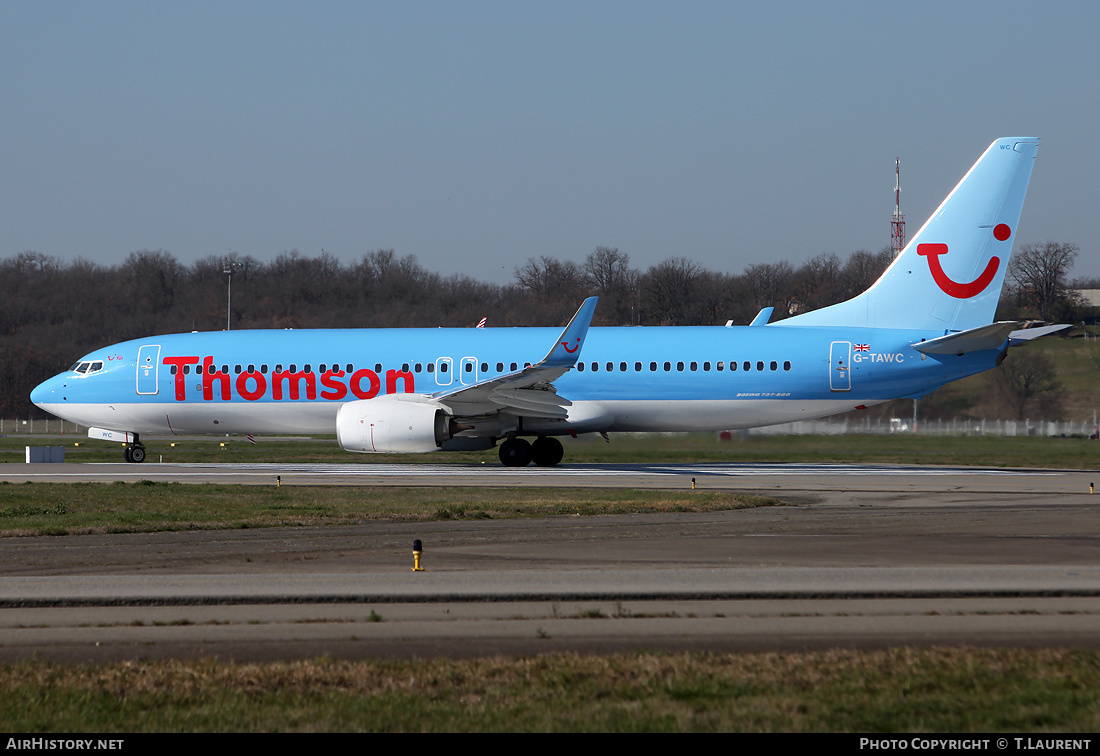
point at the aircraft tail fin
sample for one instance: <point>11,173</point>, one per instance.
<point>949,275</point>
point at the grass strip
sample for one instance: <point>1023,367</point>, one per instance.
<point>147,506</point>
<point>955,690</point>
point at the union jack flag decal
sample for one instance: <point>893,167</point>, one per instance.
<point>863,347</point>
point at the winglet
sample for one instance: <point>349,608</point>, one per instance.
<point>568,346</point>
<point>762,317</point>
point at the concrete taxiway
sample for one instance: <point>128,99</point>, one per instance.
<point>859,556</point>
<point>792,477</point>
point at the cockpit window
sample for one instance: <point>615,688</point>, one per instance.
<point>87,367</point>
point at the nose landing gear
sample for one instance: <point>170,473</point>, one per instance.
<point>134,452</point>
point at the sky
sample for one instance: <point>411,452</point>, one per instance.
<point>476,135</point>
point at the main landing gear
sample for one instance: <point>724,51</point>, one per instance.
<point>546,451</point>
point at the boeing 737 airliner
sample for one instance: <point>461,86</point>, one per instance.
<point>927,321</point>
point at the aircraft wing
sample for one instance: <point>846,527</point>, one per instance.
<point>529,391</point>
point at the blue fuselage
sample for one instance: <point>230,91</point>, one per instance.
<point>643,378</point>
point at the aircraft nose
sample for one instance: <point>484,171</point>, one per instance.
<point>47,392</point>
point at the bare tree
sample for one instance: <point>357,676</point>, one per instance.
<point>550,277</point>
<point>609,275</point>
<point>669,287</point>
<point>819,281</point>
<point>1038,274</point>
<point>862,269</point>
<point>1027,384</point>
<point>771,285</point>
<point>150,279</point>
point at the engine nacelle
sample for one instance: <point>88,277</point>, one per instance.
<point>397,423</point>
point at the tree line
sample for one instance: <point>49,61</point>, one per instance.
<point>53,312</point>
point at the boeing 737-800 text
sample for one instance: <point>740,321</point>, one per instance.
<point>927,321</point>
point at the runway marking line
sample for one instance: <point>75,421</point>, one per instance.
<point>192,469</point>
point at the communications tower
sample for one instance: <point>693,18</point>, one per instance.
<point>897,224</point>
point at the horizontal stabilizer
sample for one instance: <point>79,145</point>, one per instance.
<point>1018,338</point>
<point>978,339</point>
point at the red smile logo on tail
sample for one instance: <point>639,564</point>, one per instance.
<point>954,288</point>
